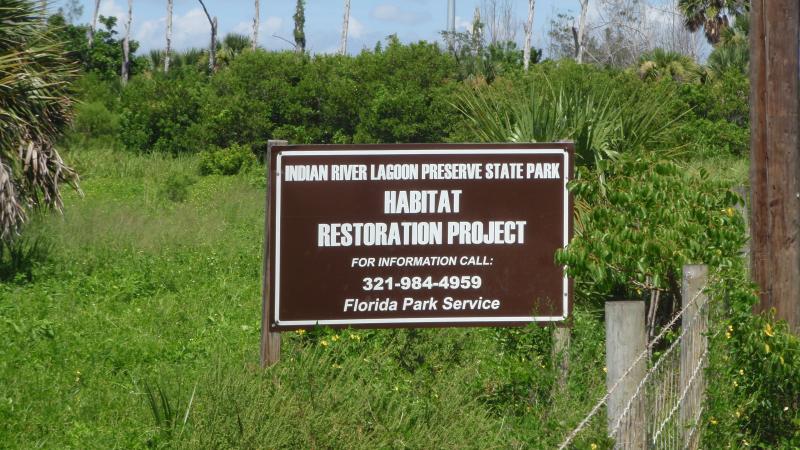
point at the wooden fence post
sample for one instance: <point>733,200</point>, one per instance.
<point>626,339</point>
<point>270,341</point>
<point>693,345</point>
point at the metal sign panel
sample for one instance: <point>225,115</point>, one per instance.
<point>418,235</point>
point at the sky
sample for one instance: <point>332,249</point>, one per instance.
<point>370,20</point>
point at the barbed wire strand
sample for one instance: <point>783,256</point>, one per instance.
<point>648,348</point>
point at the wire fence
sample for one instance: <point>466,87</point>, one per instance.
<point>665,408</point>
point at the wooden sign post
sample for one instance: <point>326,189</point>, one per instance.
<point>270,340</point>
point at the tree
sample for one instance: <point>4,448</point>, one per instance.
<point>93,27</point>
<point>105,54</point>
<point>168,50</point>
<point>714,16</point>
<point>299,27</point>
<point>732,53</point>
<point>528,31</point>
<point>126,49</point>
<point>345,25</point>
<point>212,48</point>
<point>35,105</point>
<point>256,23</point>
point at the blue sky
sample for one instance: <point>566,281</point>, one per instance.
<point>370,20</point>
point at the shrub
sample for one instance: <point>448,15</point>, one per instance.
<point>754,400</point>
<point>176,187</point>
<point>626,242</point>
<point>227,161</point>
<point>162,113</point>
<point>605,113</point>
<point>95,120</point>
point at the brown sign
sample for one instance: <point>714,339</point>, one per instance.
<point>418,235</point>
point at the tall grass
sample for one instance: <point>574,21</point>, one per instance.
<point>141,298</point>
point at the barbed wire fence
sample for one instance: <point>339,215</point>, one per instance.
<point>654,396</point>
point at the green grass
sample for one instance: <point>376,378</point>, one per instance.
<point>148,299</point>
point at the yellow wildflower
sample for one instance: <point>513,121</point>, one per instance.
<point>768,330</point>
<point>781,358</point>
<point>738,413</point>
<point>735,383</point>
<point>730,328</point>
<point>301,332</point>
<point>741,371</point>
<point>594,446</point>
<point>727,335</point>
<point>335,337</point>
<point>605,369</point>
<point>323,343</point>
<point>729,211</point>
<point>766,348</point>
<point>713,421</point>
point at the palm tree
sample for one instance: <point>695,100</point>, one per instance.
<point>713,15</point>
<point>733,51</point>
<point>660,64</point>
<point>35,106</point>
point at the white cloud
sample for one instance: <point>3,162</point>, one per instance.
<point>110,8</point>
<point>462,24</point>
<point>355,28</point>
<point>266,28</point>
<point>188,30</point>
<point>393,13</point>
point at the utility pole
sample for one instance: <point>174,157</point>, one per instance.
<point>775,156</point>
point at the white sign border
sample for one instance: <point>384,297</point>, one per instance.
<point>432,320</point>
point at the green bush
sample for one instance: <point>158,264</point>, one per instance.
<point>227,161</point>
<point>754,399</point>
<point>626,242</point>
<point>176,187</point>
<point>162,114</point>
<point>95,120</point>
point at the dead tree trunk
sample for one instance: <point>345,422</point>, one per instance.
<point>345,25</point>
<point>212,48</point>
<point>256,24</point>
<point>581,31</point>
<point>168,51</point>
<point>526,53</point>
<point>126,54</point>
<point>93,26</point>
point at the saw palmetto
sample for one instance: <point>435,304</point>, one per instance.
<point>35,106</point>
